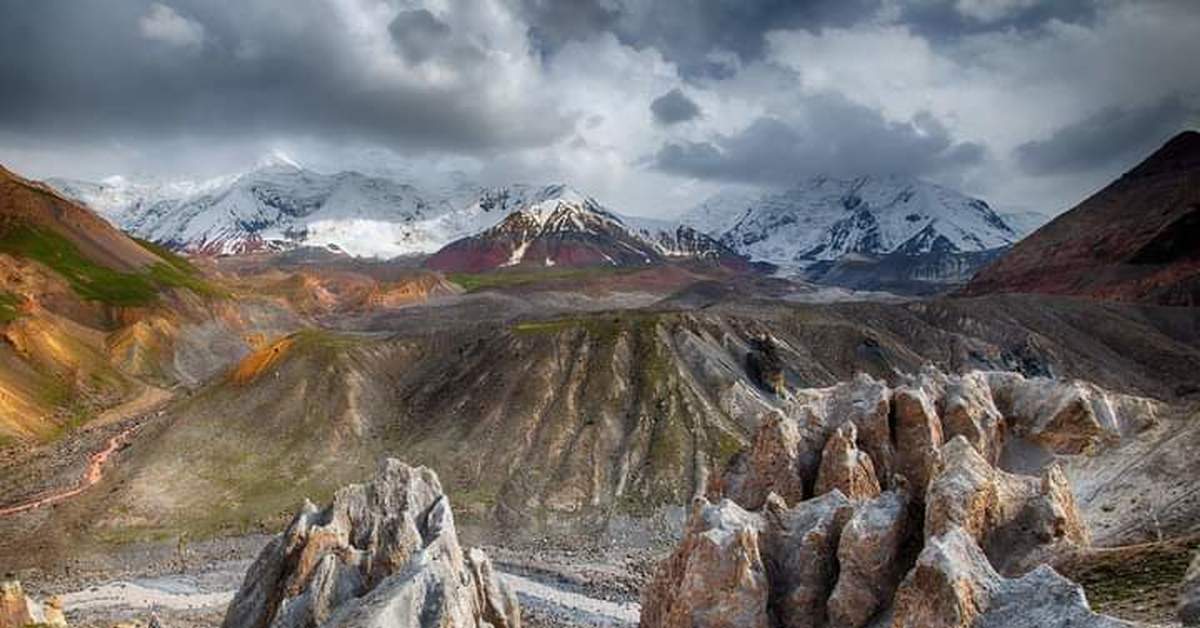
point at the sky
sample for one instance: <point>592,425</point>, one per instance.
<point>650,106</point>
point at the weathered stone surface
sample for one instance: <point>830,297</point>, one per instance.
<point>1011,516</point>
<point>1068,417</point>
<point>771,464</point>
<point>971,412</point>
<point>954,586</point>
<point>963,494</point>
<point>845,467</point>
<point>716,578</point>
<point>384,553</point>
<point>801,555</point>
<point>869,558</point>
<point>918,436</point>
<point>18,610</point>
<point>1189,594</point>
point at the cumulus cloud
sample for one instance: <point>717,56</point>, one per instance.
<point>674,107</point>
<point>161,23</point>
<point>834,137</point>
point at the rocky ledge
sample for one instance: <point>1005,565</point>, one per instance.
<point>875,505</point>
<point>383,554</point>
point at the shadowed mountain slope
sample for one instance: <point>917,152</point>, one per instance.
<point>1138,239</point>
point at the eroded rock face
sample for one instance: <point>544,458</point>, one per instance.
<point>954,586</point>
<point>771,464</point>
<point>1189,595</point>
<point>1012,516</point>
<point>918,435</point>
<point>801,555</point>
<point>845,467</point>
<point>848,556</point>
<point>384,553</point>
<point>18,610</point>
<point>870,559</point>
<point>716,578</point>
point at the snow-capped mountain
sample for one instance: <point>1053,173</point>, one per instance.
<point>824,219</point>
<point>280,205</point>
<point>558,226</point>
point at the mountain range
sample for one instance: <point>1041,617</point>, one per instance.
<point>821,227</point>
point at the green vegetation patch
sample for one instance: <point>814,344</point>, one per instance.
<point>89,280</point>
<point>9,304</point>
<point>177,272</point>
<point>94,282</point>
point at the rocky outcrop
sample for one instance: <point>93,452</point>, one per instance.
<point>870,560</point>
<point>1189,594</point>
<point>952,585</point>
<point>1011,516</point>
<point>955,540</point>
<point>716,578</point>
<point>918,435</point>
<point>846,468</point>
<point>801,555</point>
<point>384,553</point>
<point>18,610</point>
<point>771,464</point>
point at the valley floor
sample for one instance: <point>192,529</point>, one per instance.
<point>190,587</point>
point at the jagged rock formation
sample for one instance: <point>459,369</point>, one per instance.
<point>384,553</point>
<point>1189,598</point>
<point>870,559</point>
<point>845,467</point>
<point>952,585</point>
<point>841,557</point>
<point>18,610</point>
<point>770,465</point>
<point>716,578</point>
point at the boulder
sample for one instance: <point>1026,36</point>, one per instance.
<point>870,560</point>
<point>845,467</point>
<point>954,586</point>
<point>1189,594</point>
<point>801,554</point>
<point>770,465</point>
<point>384,553</point>
<point>716,577</point>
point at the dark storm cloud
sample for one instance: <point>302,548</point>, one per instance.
<point>674,107</point>
<point>85,70</point>
<point>841,139</point>
<point>686,32</point>
<point>941,20</point>
<point>418,34</point>
<point>1111,136</point>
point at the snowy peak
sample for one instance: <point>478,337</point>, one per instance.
<point>825,218</point>
<point>558,225</point>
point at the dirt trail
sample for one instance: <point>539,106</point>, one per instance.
<point>92,475</point>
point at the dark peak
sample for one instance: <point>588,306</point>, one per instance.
<point>1180,154</point>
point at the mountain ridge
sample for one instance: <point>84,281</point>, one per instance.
<point>1134,240</point>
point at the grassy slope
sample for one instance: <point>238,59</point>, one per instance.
<point>94,282</point>
<point>8,306</point>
